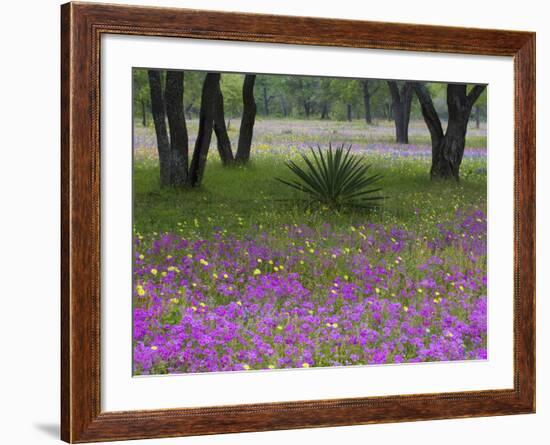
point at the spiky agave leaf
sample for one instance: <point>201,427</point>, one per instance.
<point>335,177</point>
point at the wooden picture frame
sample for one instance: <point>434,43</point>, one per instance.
<point>82,26</point>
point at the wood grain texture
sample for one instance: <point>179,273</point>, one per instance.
<point>82,26</point>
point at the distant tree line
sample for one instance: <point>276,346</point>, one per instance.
<point>167,98</point>
<point>302,97</point>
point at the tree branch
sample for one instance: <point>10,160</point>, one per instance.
<point>428,112</point>
<point>477,90</point>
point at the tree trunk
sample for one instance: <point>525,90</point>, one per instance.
<point>350,117</point>
<point>223,142</point>
<point>247,121</point>
<point>206,125</point>
<point>324,111</point>
<point>447,155</point>
<point>366,100</point>
<point>387,111</point>
<point>307,109</point>
<point>283,106</point>
<point>448,147</point>
<point>178,157</point>
<point>401,109</point>
<point>188,109</point>
<point>158,110</point>
<point>143,113</point>
<point>173,150</point>
<point>266,101</point>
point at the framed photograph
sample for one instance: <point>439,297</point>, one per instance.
<point>274,222</point>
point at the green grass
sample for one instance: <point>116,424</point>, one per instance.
<point>238,198</point>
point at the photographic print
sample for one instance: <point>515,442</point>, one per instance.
<point>285,221</point>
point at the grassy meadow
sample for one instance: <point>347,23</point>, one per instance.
<point>242,273</point>
<point>242,196</point>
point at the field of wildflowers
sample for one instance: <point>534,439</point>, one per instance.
<point>238,275</point>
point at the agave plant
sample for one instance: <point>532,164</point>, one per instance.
<point>335,178</point>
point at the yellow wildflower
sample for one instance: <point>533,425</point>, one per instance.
<point>154,271</point>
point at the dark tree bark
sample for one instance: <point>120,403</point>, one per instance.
<point>284,108</point>
<point>401,109</point>
<point>349,113</point>
<point>324,111</point>
<point>158,110</point>
<point>247,121</point>
<point>266,101</point>
<point>178,157</point>
<point>188,109</point>
<point>387,111</point>
<point>206,126</point>
<point>307,108</point>
<point>143,113</point>
<point>448,147</point>
<point>223,142</point>
<point>366,100</point>
<point>173,150</point>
